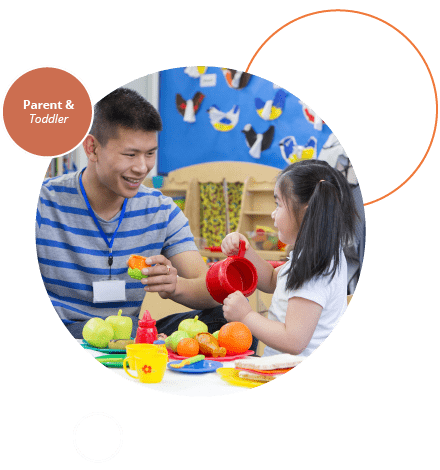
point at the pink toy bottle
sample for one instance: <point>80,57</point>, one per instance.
<point>146,332</point>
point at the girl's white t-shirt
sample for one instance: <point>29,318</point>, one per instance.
<point>330,294</point>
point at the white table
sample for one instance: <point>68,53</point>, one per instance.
<point>209,384</point>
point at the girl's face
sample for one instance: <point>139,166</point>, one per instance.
<point>284,220</point>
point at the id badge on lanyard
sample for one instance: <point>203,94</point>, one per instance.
<point>110,289</point>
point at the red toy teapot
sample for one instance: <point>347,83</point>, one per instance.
<point>230,275</point>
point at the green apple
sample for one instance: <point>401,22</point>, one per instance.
<point>215,334</point>
<point>173,340</point>
<point>122,326</point>
<point>97,332</point>
<point>193,326</point>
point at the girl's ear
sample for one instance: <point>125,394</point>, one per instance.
<point>90,145</point>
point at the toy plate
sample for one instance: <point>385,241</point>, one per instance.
<point>201,367</point>
<point>173,355</point>
<point>231,376</point>
<point>112,360</point>
<point>86,345</point>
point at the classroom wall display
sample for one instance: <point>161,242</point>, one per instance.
<point>219,114</point>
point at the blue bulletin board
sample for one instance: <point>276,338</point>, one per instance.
<point>206,109</point>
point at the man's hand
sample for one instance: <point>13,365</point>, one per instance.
<point>162,277</point>
<point>236,307</point>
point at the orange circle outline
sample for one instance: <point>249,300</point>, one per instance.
<point>412,44</point>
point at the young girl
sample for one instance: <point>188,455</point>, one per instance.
<point>315,212</point>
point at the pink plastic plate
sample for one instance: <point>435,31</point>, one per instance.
<point>173,355</point>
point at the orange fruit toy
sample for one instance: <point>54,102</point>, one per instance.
<point>135,264</point>
<point>188,347</point>
<point>236,337</point>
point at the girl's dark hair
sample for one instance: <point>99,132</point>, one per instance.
<point>126,108</point>
<point>328,222</point>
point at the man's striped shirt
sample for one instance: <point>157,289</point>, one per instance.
<point>72,254</point>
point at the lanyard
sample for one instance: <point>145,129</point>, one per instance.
<point>103,235</point>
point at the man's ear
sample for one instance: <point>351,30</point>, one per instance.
<point>90,145</point>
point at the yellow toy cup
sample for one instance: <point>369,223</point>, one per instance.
<point>150,365</point>
<point>132,349</point>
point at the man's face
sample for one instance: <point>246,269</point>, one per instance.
<point>124,162</point>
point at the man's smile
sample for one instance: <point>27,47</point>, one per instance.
<point>133,182</point>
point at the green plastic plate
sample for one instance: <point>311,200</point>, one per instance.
<point>112,360</point>
<point>86,345</point>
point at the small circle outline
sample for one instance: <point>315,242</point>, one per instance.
<point>121,440</point>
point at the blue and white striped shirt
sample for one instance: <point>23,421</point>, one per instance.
<point>72,254</point>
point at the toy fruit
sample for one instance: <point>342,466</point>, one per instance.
<point>208,345</point>
<point>193,326</point>
<point>97,332</point>
<point>188,347</point>
<point>236,337</point>
<point>215,334</point>
<point>135,264</point>
<point>119,343</point>
<point>173,340</point>
<point>122,326</point>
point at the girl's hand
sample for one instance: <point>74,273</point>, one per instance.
<point>236,307</point>
<point>231,243</point>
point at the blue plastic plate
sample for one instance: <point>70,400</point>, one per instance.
<point>201,367</point>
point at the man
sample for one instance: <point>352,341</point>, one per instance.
<point>90,222</point>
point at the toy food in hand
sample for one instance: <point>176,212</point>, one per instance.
<point>122,326</point>
<point>193,326</point>
<point>119,343</point>
<point>135,264</point>
<point>236,337</point>
<point>208,345</point>
<point>173,340</point>
<point>97,332</point>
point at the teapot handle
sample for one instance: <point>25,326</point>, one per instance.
<point>242,249</point>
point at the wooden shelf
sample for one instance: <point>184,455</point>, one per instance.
<point>257,203</point>
<point>260,190</point>
<point>212,254</point>
<point>189,190</point>
<point>257,206</point>
<point>258,213</point>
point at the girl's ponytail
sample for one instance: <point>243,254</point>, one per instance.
<point>328,221</point>
<point>316,244</point>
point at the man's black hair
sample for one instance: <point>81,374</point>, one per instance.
<point>123,108</point>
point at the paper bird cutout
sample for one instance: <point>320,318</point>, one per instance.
<point>258,142</point>
<point>312,117</point>
<point>188,109</point>
<point>236,79</point>
<point>221,121</point>
<point>292,152</point>
<point>195,72</point>
<point>272,109</point>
